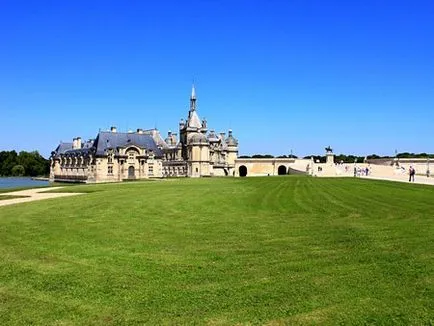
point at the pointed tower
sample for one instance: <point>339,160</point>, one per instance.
<point>195,145</point>
<point>193,121</point>
<point>193,99</point>
<point>191,125</point>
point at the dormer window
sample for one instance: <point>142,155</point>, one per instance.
<point>110,155</point>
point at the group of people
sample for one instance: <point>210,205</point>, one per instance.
<point>358,171</point>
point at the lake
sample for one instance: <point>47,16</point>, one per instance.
<point>21,182</point>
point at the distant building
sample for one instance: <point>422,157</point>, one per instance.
<point>115,156</point>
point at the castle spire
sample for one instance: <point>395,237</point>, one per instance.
<point>193,92</point>
<point>193,99</point>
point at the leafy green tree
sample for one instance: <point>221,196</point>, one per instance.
<point>32,162</point>
<point>18,170</point>
<point>316,158</point>
<point>7,161</point>
<point>262,156</point>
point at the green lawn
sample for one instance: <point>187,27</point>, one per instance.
<point>274,251</point>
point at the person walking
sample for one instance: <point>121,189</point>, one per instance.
<point>411,173</point>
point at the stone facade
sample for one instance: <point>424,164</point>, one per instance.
<point>115,156</point>
<point>256,167</point>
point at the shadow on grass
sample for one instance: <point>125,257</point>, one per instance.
<point>5,197</point>
<point>3,190</point>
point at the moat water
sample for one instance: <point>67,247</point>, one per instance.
<point>15,182</point>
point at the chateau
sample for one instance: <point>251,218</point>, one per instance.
<point>195,152</point>
<point>115,156</point>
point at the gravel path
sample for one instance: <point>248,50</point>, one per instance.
<point>404,178</point>
<point>33,194</point>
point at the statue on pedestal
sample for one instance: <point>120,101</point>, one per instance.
<point>330,156</point>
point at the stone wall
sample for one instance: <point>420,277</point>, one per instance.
<point>270,166</point>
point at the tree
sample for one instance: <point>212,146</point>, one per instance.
<point>316,158</point>
<point>262,156</point>
<point>32,162</point>
<point>18,170</point>
<point>287,156</point>
<point>7,161</point>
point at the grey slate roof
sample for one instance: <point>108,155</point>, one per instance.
<point>156,136</point>
<point>62,148</point>
<point>66,148</point>
<point>212,137</point>
<point>107,139</point>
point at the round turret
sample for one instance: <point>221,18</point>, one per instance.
<point>231,141</point>
<point>168,140</point>
<point>197,138</point>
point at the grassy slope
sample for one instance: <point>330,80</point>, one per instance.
<point>222,251</point>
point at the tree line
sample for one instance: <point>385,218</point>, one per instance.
<point>23,164</point>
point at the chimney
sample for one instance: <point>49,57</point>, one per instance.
<point>78,142</point>
<point>74,143</point>
<point>113,129</point>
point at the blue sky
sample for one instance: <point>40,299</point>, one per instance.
<point>300,75</point>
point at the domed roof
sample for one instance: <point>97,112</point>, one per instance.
<point>212,134</point>
<point>231,141</point>
<point>197,137</point>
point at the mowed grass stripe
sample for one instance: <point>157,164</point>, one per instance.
<point>273,250</point>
